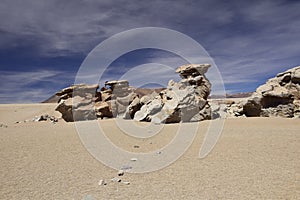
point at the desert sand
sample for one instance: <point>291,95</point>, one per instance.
<point>255,158</point>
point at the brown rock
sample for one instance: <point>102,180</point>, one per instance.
<point>192,70</point>
<point>80,90</point>
<point>103,109</point>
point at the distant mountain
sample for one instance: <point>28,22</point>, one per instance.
<point>236,95</point>
<point>239,95</point>
<point>52,99</point>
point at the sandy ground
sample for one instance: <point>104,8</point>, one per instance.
<point>255,158</point>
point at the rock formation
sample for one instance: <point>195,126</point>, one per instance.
<point>76,102</point>
<point>121,97</point>
<point>279,96</point>
<point>84,102</point>
<point>183,101</point>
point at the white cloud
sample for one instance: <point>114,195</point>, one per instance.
<point>29,87</point>
<point>150,73</point>
<point>64,27</point>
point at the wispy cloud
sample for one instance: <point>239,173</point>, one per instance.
<point>62,27</point>
<point>29,87</point>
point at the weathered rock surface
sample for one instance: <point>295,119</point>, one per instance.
<point>78,107</point>
<point>84,102</point>
<point>103,109</point>
<point>279,111</point>
<point>81,90</point>
<point>279,96</point>
<point>183,101</point>
<point>121,96</point>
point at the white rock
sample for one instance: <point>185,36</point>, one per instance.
<point>116,180</point>
<point>101,182</point>
<point>126,167</point>
<point>120,172</point>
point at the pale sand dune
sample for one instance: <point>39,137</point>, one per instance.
<point>255,158</point>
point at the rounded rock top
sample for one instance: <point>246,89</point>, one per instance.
<point>191,69</point>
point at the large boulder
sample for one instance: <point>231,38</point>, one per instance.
<point>252,108</point>
<point>279,96</point>
<point>76,109</point>
<point>134,106</point>
<point>181,102</point>
<point>76,102</point>
<point>84,102</point>
<point>192,70</point>
<point>121,97</point>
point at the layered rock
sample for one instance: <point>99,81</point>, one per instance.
<point>84,102</point>
<point>181,102</point>
<point>184,101</point>
<point>76,102</point>
<point>279,96</point>
<point>121,96</point>
<point>81,90</point>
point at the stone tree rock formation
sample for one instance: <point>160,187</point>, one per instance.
<point>183,101</point>
<point>279,96</point>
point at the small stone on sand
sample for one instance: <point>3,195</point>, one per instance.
<point>120,172</point>
<point>101,182</point>
<point>116,179</point>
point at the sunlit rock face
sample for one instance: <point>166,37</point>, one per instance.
<point>85,102</point>
<point>76,102</point>
<point>279,96</point>
<point>182,101</point>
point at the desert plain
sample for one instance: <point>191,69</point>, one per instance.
<point>254,158</point>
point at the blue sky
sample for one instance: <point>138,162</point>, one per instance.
<point>43,43</point>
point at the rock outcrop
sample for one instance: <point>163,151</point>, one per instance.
<point>279,96</point>
<point>76,102</point>
<point>85,102</point>
<point>121,96</point>
<point>184,101</point>
<point>181,102</point>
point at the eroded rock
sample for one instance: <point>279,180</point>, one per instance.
<point>183,101</point>
<point>77,102</point>
<point>279,96</point>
